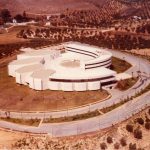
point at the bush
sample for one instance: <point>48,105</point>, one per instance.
<point>123,141</point>
<point>138,133</point>
<point>140,121</point>
<point>103,146</point>
<point>140,149</point>
<point>129,128</point>
<point>132,146</point>
<point>147,125</point>
<point>149,111</point>
<point>109,140</point>
<point>147,119</point>
<point>116,146</point>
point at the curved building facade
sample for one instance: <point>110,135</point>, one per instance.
<point>80,68</point>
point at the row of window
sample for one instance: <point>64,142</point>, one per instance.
<point>81,80</point>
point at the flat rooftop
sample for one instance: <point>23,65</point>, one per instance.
<point>26,61</point>
<point>42,74</point>
<point>30,68</point>
<point>39,52</point>
<point>78,73</point>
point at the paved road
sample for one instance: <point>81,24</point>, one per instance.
<point>117,96</point>
<point>74,128</point>
<point>106,120</point>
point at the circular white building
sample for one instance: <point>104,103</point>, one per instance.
<point>81,67</point>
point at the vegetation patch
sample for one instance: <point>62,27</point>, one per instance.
<point>120,65</point>
<point>72,118</point>
<point>126,84</point>
<point>29,122</point>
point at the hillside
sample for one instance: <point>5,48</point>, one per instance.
<point>44,6</point>
<point>125,8</point>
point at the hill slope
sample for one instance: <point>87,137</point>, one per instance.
<point>44,6</point>
<point>123,7</point>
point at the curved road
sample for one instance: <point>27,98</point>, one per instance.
<point>117,96</point>
<point>84,126</point>
<point>92,124</point>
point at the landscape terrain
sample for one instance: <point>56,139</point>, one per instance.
<point>117,25</point>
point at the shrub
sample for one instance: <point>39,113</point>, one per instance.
<point>132,146</point>
<point>109,140</point>
<point>103,146</point>
<point>149,111</point>
<point>147,125</point>
<point>140,121</point>
<point>138,133</point>
<point>116,146</point>
<point>123,141</point>
<point>140,149</point>
<point>147,119</point>
<point>129,128</point>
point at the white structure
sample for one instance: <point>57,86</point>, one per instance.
<point>17,64</point>
<point>23,74</point>
<point>39,79</point>
<point>82,67</point>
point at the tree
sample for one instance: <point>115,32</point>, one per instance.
<point>116,146</point>
<point>123,141</point>
<point>147,125</point>
<point>24,14</point>
<point>19,18</point>
<point>5,14</point>
<point>103,146</point>
<point>138,133</point>
<point>109,140</point>
<point>132,146</point>
<point>129,128</point>
<point>140,121</point>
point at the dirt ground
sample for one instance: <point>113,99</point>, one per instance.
<point>145,52</point>
<point>87,141</point>
<point>10,36</point>
<point>18,97</point>
<point>7,138</point>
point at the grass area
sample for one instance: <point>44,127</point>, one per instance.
<point>72,118</point>
<point>28,122</point>
<point>120,65</point>
<point>126,84</point>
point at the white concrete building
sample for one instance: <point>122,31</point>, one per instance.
<point>82,67</point>
<point>17,64</point>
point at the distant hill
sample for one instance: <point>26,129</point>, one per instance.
<point>44,6</point>
<point>123,7</point>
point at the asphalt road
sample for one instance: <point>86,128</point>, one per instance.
<point>96,123</point>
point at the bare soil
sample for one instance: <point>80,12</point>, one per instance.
<point>7,138</point>
<point>10,36</point>
<point>145,52</point>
